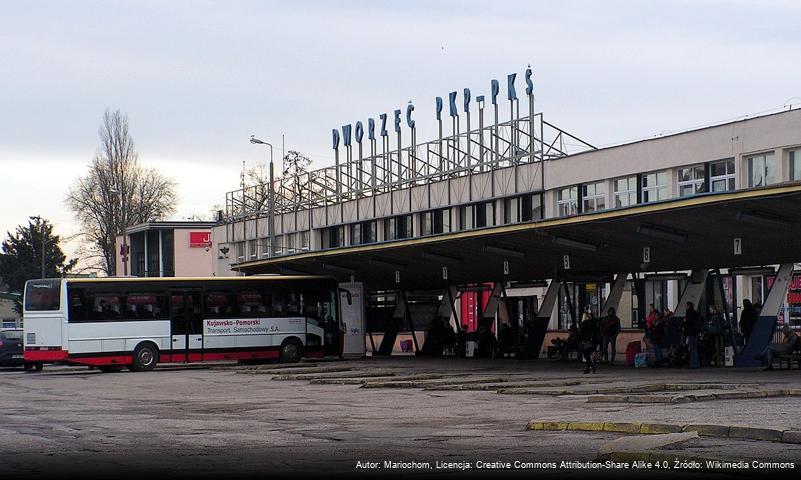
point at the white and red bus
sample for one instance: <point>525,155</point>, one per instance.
<point>113,323</point>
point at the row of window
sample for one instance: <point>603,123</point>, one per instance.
<point>524,208</point>
<point>283,245</point>
<point>646,188</point>
<point>101,307</point>
<point>717,176</point>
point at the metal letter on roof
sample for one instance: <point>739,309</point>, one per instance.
<point>335,138</point>
<point>510,85</point>
<point>495,88</point>
<point>409,110</point>
<point>438,107</point>
<point>397,121</point>
<point>467,98</point>
<point>452,101</point>
<point>383,118</point>
<point>371,129</point>
<point>359,132</point>
<point>346,135</point>
<point>529,83</point>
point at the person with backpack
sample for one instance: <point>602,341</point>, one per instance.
<point>610,328</point>
<point>692,327</point>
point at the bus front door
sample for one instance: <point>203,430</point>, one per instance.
<point>186,324</point>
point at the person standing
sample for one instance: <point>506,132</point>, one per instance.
<point>692,330</point>
<point>747,319</point>
<point>588,331</point>
<point>658,338</point>
<point>610,328</point>
<point>650,319</point>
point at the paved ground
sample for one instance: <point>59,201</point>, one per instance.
<point>325,417</point>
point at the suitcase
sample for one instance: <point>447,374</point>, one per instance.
<point>632,349</point>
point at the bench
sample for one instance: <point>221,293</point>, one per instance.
<point>790,358</point>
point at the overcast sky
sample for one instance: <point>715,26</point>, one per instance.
<point>197,78</point>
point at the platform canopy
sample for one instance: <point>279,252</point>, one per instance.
<point>680,234</point>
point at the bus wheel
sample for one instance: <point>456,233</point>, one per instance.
<point>145,358</point>
<point>291,351</point>
<point>30,366</point>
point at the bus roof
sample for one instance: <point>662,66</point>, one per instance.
<point>202,279</point>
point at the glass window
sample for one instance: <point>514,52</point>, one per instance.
<point>11,335</point>
<point>277,246</point>
<point>442,220</point>
<point>761,170</point>
<point>435,221</point>
<point>364,232</point>
<point>356,234</point>
<point>289,244</point>
<point>43,295</point>
<point>240,251</point>
<point>654,187</point>
<point>304,241</point>
<point>721,175</point>
<point>625,192</point>
<point>333,237</point>
<point>795,164</point>
<point>593,197</point>
<point>396,228</point>
<point>253,252</point>
<point>691,180</point>
<point>567,201</point>
<point>511,210</point>
<point>531,207</point>
<point>466,217</point>
<point>485,214</point>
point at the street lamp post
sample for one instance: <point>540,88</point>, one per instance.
<point>42,233</point>
<point>271,194</point>
<point>123,219</point>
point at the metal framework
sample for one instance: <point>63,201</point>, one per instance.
<point>521,140</point>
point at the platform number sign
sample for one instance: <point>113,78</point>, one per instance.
<point>566,262</point>
<point>506,267</point>
<point>738,246</point>
<point>444,273</point>
<point>646,255</point>
<point>397,276</point>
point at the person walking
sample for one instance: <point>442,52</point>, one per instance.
<point>692,330</point>
<point>588,331</point>
<point>610,328</point>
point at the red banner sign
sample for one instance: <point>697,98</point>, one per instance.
<point>199,239</point>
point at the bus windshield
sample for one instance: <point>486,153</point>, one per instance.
<point>43,295</point>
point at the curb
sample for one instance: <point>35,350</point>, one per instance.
<point>717,431</point>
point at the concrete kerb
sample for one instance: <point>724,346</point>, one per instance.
<point>718,431</point>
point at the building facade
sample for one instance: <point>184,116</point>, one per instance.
<point>167,249</point>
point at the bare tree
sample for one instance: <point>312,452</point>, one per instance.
<point>115,178</point>
<point>291,184</point>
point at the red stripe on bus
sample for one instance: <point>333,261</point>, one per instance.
<point>45,355</point>
<point>106,360</point>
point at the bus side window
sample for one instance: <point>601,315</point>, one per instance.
<point>129,310</point>
<point>77,306</point>
<point>161,308</point>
